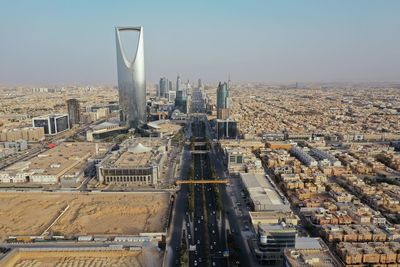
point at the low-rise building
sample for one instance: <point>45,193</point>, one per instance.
<point>138,162</point>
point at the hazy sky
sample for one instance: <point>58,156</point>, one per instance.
<point>73,42</point>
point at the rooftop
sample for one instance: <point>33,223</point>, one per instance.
<point>262,192</point>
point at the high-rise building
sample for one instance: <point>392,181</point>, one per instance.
<point>163,87</point>
<point>178,83</point>
<point>170,86</point>
<point>52,124</point>
<point>226,129</point>
<point>73,111</point>
<point>223,101</point>
<point>200,84</point>
<point>181,101</point>
<point>131,81</point>
<point>171,96</point>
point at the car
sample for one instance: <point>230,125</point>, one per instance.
<point>195,229</point>
<point>213,263</point>
<point>215,243</point>
<point>211,247</point>
<point>198,221</point>
<point>213,231</point>
<point>195,263</point>
<point>198,241</point>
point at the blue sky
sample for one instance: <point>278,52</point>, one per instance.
<point>72,42</point>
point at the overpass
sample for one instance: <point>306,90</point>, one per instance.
<point>225,181</point>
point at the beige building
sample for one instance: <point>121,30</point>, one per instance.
<point>67,160</point>
<point>138,162</point>
<point>30,134</point>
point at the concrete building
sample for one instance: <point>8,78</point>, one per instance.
<point>105,130</point>
<point>68,160</point>
<point>131,81</point>
<point>276,231</point>
<point>324,155</point>
<point>74,111</point>
<point>138,162</point>
<point>171,96</point>
<point>52,124</point>
<point>303,156</point>
<point>30,134</point>
<point>264,196</point>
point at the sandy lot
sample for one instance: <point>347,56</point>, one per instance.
<point>97,213</point>
<point>118,258</point>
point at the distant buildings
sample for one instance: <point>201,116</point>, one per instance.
<point>30,134</point>
<point>131,82</point>
<point>73,111</point>
<point>52,124</point>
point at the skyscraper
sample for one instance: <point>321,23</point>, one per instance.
<point>131,81</point>
<point>163,86</point>
<point>178,83</point>
<point>73,111</point>
<point>223,101</point>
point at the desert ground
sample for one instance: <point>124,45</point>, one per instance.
<point>117,258</point>
<point>91,213</point>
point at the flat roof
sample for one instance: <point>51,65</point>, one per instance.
<point>65,158</point>
<point>262,193</point>
<point>129,159</point>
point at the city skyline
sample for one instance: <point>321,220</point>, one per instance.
<point>256,41</point>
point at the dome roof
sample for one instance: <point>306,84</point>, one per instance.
<point>139,148</point>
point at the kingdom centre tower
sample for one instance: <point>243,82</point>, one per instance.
<point>131,81</point>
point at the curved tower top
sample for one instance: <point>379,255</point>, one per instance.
<point>131,81</point>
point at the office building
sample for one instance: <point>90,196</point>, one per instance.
<point>52,124</point>
<point>276,231</point>
<point>226,129</point>
<point>73,111</point>
<point>181,101</point>
<point>223,101</point>
<point>171,96</point>
<point>178,83</point>
<point>163,87</point>
<point>131,81</point>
